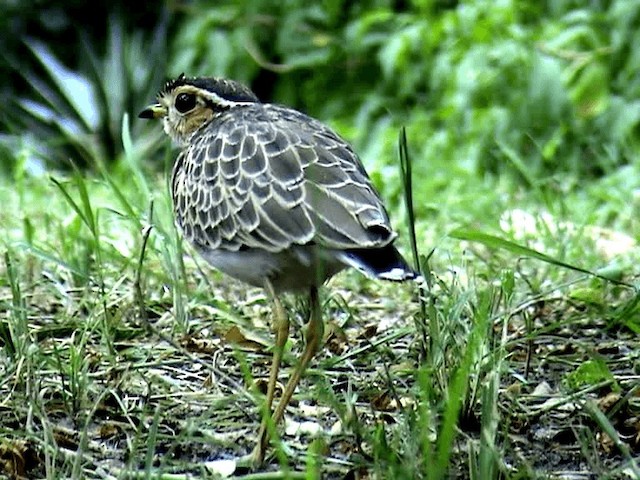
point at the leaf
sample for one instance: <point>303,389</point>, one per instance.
<point>76,89</point>
<point>245,339</point>
<point>589,373</point>
<point>492,241</point>
<point>591,91</point>
<point>591,296</point>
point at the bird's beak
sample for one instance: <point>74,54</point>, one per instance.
<point>153,111</point>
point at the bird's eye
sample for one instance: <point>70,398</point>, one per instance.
<point>185,102</point>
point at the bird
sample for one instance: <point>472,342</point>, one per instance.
<point>277,199</point>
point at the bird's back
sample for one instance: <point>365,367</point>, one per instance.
<point>270,180</point>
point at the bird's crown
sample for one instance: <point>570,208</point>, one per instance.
<point>185,104</point>
<point>226,89</point>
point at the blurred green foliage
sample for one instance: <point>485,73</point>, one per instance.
<point>476,82</point>
<point>540,89</point>
<point>74,70</point>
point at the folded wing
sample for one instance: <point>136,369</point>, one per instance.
<point>274,179</point>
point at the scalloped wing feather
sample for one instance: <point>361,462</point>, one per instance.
<point>271,178</point>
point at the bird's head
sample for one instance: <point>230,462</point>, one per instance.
<point>186,104</point>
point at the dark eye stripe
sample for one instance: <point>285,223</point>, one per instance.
<point>216,107</point>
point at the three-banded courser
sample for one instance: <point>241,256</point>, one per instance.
<point>274,198</point>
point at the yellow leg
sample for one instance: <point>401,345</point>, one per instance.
<point>314,333</point>
<point>281,326</point>
<point>313,337</point>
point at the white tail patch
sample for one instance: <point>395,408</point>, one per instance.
<point>395,274</point>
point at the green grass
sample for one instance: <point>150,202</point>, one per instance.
<point>515,188</point>
<point>123,356</point>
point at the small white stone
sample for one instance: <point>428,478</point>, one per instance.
<point>222,468</point>
<point>302,428</point>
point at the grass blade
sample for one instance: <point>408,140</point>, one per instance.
<point>405,168</point>
<point>407,181</point>
<point>498,243</point>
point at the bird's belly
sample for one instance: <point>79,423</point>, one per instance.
<point>296,268</point>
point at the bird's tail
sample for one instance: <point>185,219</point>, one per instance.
<point>385,263</point>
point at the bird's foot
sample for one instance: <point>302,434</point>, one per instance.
<point>254,459</point>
